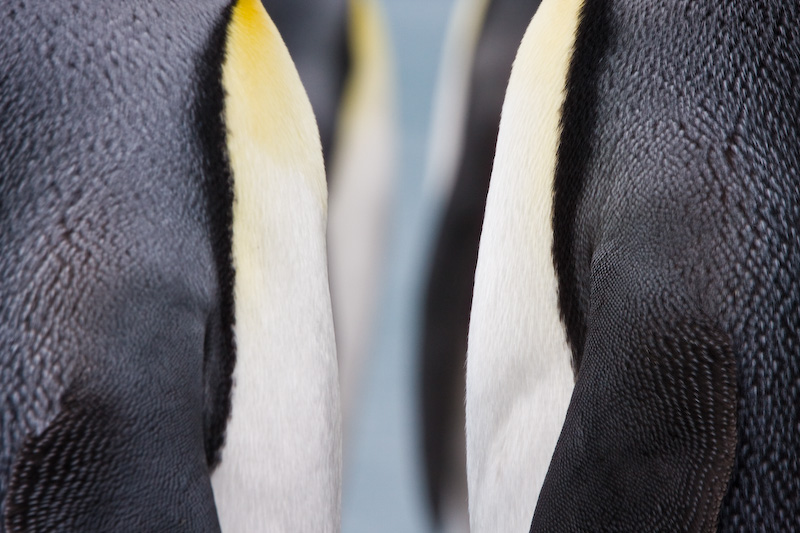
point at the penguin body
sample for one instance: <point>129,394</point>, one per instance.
<point>675,200</point>
<point>281,467</point>
<point>450,282</point>
<point>120,160</point>
<point>678,223</point>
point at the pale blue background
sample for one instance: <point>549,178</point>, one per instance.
<point>383,490</point>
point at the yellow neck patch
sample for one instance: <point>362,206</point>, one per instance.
<point>266,106</point>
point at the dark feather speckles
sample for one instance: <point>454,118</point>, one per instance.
<point>681,147</point>
<point>57,475</point>
<point>111,273</point>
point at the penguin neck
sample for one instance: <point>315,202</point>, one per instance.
<point>285,405</point>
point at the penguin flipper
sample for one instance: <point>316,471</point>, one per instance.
<point>650,436</point>
<point>85,473</point>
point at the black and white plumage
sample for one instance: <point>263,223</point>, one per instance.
<point>673,200</point>
<point>161,191</point>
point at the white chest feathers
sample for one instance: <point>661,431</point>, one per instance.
<point>281,464</point>
<point>519,378</point>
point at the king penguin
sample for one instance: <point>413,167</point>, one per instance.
<point>164,305</point>
<point>641,229</point>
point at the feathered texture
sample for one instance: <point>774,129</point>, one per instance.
<point>679,161</point>
<point>120,234</point>
<point>519,378</point>
<point>281,466</point>
<point>109,280</point>
<point>674,222</point>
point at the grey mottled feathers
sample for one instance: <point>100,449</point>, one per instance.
<point>677,208</point>
<point>114,341</point>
